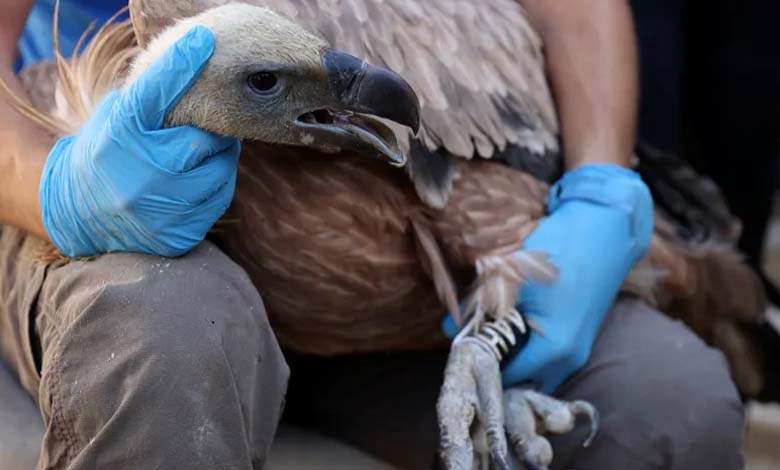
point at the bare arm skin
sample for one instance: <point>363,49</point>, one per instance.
<point>592,68</point>
<point>23,145</point>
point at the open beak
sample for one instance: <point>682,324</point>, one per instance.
<point>362,94</point>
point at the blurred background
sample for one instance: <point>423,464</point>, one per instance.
<point>711,93</point>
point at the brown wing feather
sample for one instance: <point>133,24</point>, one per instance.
<point>477,67</point>
<point>467,61</point>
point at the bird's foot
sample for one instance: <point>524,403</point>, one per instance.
<point>529,415</point>
<point>476,417</point>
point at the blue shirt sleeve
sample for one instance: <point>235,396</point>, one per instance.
<point>36,43</point>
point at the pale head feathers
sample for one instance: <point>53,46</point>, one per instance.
<point>248,39</point>
<point>243,33</point>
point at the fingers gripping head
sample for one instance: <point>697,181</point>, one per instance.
<point>247,86</point>
<point>257,75</point>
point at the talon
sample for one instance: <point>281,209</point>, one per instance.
<point>581,407</point>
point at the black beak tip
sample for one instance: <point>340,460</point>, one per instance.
<point>393,99</point>
<point>414,118</point>
<point>406,110</point>
<point>374,90</point>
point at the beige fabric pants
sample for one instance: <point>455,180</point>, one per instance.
<point>140,362</point>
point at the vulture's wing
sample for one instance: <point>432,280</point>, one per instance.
<point>693,205</point>
<point>477,68</point>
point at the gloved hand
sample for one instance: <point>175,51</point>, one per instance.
<point>124,184</point>
<point>599,226</point>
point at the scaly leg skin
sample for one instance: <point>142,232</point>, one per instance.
<point>471,388</point>
<point>471,409</point>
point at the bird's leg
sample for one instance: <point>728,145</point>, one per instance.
<point>472,406</point>
<point>472,389</point>
<point>530,414</point>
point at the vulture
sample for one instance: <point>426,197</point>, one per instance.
<point>352,253</point>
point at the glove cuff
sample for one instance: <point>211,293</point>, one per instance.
<point>609,186</point>
<point>53,194</point>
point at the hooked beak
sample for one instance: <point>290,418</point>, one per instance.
<point>362,94</point>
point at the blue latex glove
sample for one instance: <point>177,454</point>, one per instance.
<point>600,224</point>
<point>124,184</point>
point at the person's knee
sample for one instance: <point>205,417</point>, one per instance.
<point>666,399</point>
<point>165,346</point>
<point>711,434</point>
<point>688,417</point>
<point>185,308</point>
<point>135,319</point>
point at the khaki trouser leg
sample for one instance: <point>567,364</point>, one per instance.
<point>142,362</point>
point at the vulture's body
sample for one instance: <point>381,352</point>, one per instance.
<point>343,266</point>
<point>351,254</point>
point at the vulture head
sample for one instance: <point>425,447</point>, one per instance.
<point>270,80</point>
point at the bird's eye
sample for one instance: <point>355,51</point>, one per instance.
<point>263,82</point>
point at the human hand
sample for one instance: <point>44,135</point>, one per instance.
<point>123,183</point>
<point>600,224</point>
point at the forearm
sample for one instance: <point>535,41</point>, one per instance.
<point>23,145</point>
<point>592,68</point>
<point>23,150</point>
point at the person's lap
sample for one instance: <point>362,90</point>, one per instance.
<point>127,341</point>
<point>665,398</point>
